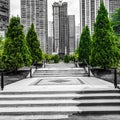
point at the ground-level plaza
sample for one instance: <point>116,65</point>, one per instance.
<point>60,92</point>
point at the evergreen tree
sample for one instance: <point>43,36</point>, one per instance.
<point>103,52</point>
<point>66,59</point>
<point>34,44</point>
<point>84,45</point>
<point>16,53</point>
<point>116,21</point>
<point>56,58</point>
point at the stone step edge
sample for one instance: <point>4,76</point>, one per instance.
<point>65,92</point>
<point>62,113</point>
<point>62,104</point>
<point>61,98</point>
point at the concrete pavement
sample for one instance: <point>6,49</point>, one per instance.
<point>61,97</point>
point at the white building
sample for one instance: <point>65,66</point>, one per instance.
<point>89,9</point>
<point>71,34</point>
<point>50,37</point>
<point>77,36</point>
<point>35,11</point>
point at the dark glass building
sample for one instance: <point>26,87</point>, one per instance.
<point>60,28</point>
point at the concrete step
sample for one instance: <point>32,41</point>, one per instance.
<point>58,110</point>
<point>60,96</point>
<point>80,75</point>
<point>95,91</point>
<point>33,117</point>
<point>50,73</point>
<point>57,104</point>
<point>41,103</point>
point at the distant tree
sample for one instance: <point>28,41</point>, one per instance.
<point>34,44</point>
<point>115,17</point>
<point>16,53</point>
<point>56,58</point>
<point>84,45</point>
<point>66,59</point>
<point>1,45</point>
<point>104,50</point>
<point>1,50</point>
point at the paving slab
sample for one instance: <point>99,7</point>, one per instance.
<point>89,83</point>
<point>59,98</point>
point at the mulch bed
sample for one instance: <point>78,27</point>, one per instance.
<point>107,75</point>
<point>14,77</point>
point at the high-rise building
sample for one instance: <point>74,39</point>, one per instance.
<point>113,5</point>
<point>50,37</point>
<point>77,31</point>
<point>89,10</point>
<point>71,22</point>
<point>4,16</point>
<point>35,11</point>
<point>60,28</point>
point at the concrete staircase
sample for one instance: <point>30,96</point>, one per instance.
<point>72,72</point>
<point>57,104</point>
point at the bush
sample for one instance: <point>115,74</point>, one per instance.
<point>66,59</point>
<point>56,58</point>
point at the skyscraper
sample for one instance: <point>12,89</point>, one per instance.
<point>77,31</point>
<point>60,28</point>
<point>113,5</point>
<point>4,15</point>
<point>35,11</point>
<point>89,9</point>
<point>50,37</point>
<point>71,22</point>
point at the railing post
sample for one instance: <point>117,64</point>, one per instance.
<point>36,65</point>
<point>44,64</point>
<point>2,80</point>
<point>88,70</point>
<point>30,72</point>
<point>115,77</point>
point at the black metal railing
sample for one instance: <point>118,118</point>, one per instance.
<point>2,80</point>
<point>87,67</point>
<point>3,74</point>
<point>116,78</point>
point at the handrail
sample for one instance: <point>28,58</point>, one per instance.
<point>88,66</point>
<point>3,74</point>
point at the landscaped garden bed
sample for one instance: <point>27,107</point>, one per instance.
<point>105,74</point>
<point>11,77</point>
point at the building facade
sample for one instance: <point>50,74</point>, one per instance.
<point>4,16</point>
<point>71,22</point>
<point>50,37</point>
<point>89,9</point>
<point>60,28</point>
<point>35,11</point>
<point>77,36</point>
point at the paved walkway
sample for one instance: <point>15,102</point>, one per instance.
<point>54,84</point>
<point>59,98</point>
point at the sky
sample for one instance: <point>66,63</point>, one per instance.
<point>73,8</point>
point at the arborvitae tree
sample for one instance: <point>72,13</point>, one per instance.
<point>34,44</point>
<point>103,52</point>
<point>16,53</point>
<point>66,59</point>
<point>56,58</point>
<point>116,21</point>
<point>1,50</point>
<point>116,27</point>
<point>84,45</point>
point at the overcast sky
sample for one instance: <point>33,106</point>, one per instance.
<point>73,8</point>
